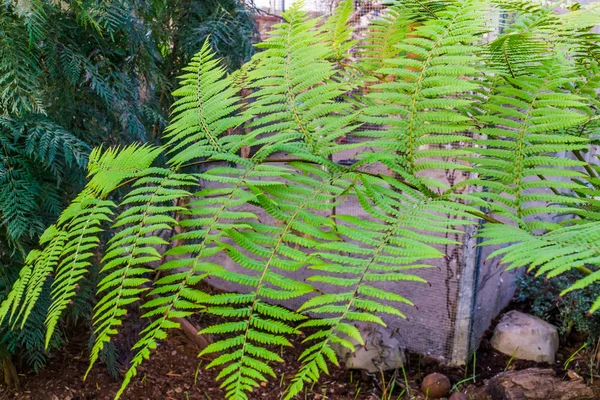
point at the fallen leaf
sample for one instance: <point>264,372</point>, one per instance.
<point>574,376</point>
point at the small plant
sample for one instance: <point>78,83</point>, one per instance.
<point>510,360</point>
<point>569,312</point>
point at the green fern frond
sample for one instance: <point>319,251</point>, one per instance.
<point>109,168</point>
<point>384,33</point>
<point>525,124</point>
<point>277,248</point>
<point>387,251</point>
<point>44,266</point>
<point>552,254</point>
<point>517,53</point>
<point>207,97</point>
<point>148,211</point>
<point>416,112</point>
<point>338,32</point>
<point>295,89</point>
<point>81,222</point>
<point>12,303</point>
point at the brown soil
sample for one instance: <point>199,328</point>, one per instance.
<point>175,372</point>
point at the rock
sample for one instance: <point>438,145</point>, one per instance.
<point>536,384</point>
<point>458,396</point>
<point>526,337</point>
<point>381,351</point>
<point>436,386</point>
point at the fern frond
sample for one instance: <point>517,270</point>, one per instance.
<point>43,267</point>
<point>207,97</point>
<point>384,33</point>
<point>338,31</point>
<point>552,254</point>
<point>149,209</point>
<point>517,53</point>
<point>417,111</point>
<point>401,231</point>
<point>277,251</point>
<point>526,122</point>
<point>81,221</point>
<point>109,168</point>
<point>295,89</point>
<point>12,303</point>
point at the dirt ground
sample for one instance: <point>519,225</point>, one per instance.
<point>175,373</point>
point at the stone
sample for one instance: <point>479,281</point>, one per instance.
<point>458,396</point>
<point>536,384</point>
<point>381,351</point>
<point>436,386</point>
<point>526,337</point>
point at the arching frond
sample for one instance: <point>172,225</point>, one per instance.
<point>338,31</point>
<point>148,210</point>
<point>206,98</point>
<point>551,254</point>
<point>384,33</point>
<point>416,112</point>
<point>295,89</point>
<point>81,222</point>
<point>383,246</point>
<point>524,125</point>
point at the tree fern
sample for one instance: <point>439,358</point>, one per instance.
<point>442,101</point>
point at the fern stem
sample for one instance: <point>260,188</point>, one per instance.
<point>587,166</point>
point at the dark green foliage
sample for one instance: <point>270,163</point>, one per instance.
<point>569,312</point>
<point>75,75</point>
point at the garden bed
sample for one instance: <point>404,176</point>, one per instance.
<point>175,373</point>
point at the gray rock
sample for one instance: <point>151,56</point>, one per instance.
<point>526,336</point>
<point>536,384</point>
<point>381,351</point>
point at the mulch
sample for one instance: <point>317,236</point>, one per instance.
<point>174,372</point>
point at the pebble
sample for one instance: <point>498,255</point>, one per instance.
<point>436,386</point>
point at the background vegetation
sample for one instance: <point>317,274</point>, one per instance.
<point>75,75</point>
